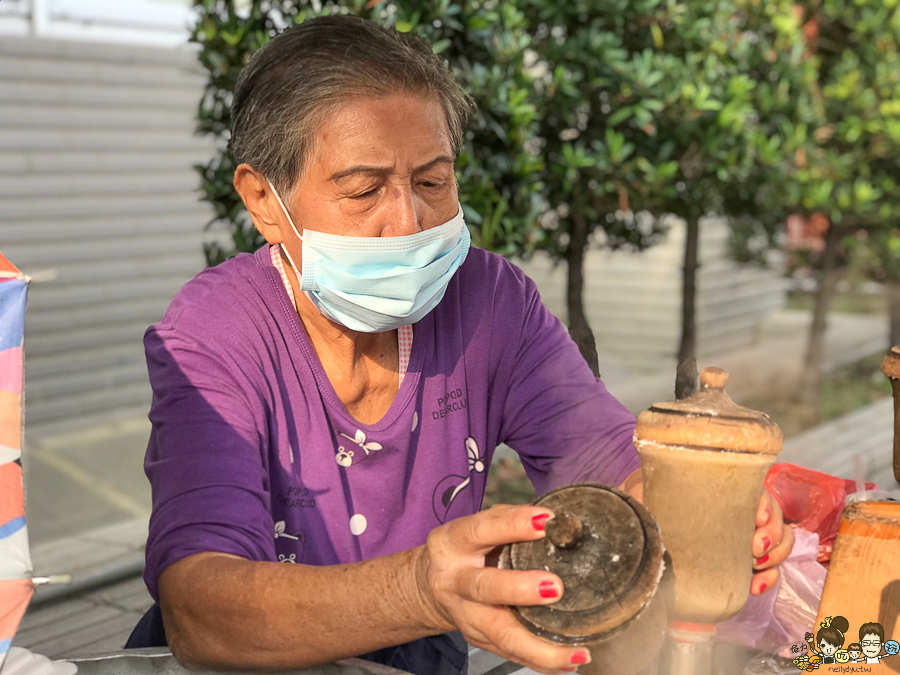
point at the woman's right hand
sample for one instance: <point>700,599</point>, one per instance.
<point>462,593</point>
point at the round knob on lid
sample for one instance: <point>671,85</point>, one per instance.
<point>891,364</point>
<point>713,378</point>
<point>565,530</point>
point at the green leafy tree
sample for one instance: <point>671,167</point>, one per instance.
<point>589,111</point>
<point>682,108</point>
<point>498,169</point>
<point>586,56</point>
<point>851,169</point>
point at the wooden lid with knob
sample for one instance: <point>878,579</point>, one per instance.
<point>709,420</point>
<point>606,548</point>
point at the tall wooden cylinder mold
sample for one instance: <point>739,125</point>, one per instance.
<point>704,461</point>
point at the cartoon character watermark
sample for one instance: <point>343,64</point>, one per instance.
<point>854,653</point>
<point>829,639</point>
<point>827,646</point>
<point>806,661</point>
<point>871,641</point>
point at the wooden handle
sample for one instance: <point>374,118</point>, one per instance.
<point>891,367</point>
<point>895,385</point>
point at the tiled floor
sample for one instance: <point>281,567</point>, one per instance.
<point>91,623</point>
<point>861,441</point>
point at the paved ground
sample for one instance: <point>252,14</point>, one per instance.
<point>774,362</point>
<point>92,623</point>
<point>857,446</point>
<point>84,480</point>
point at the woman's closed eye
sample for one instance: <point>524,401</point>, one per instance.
<point>366,194</point>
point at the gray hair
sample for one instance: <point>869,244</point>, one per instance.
<point>290,86</point>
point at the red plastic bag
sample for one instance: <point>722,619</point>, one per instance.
<point>811,500</point>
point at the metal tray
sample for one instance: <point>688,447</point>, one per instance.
<point>159,661</point>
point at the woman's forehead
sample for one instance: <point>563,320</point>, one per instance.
<point>400,130</point>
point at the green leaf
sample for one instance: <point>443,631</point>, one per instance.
<point>441,46</point>
<point>620,115</point>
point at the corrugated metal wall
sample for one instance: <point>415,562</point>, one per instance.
<point>96,150</point>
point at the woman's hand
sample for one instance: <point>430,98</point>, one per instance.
<point>772,544</point>
<point>463,594</point>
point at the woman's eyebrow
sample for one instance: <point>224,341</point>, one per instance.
<point>382,170</point>
<point>440,159</point>
<point>375,170</point>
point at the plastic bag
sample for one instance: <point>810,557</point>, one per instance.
<point>783,615</point>
<point>770,664</point>
<point>811,500</point>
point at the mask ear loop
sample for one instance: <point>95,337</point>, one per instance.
<point>293,227</point>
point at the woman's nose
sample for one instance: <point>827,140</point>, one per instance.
<point>406,214</point>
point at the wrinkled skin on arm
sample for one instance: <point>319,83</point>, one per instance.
<point>224,612</point>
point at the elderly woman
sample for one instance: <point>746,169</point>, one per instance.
<point>333,400</point>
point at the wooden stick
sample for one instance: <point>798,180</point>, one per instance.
<point>891,367</point>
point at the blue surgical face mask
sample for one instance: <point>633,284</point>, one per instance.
<point>375,284</point>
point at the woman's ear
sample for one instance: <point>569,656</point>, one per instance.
<point>261,203</point>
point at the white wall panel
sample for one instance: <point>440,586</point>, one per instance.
<point>97,146</point>
<point>633,300</point>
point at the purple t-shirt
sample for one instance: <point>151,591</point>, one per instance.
<point>252,453</point>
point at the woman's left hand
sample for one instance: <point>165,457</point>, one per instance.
<point>772,544</point>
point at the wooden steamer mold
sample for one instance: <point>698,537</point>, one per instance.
<point>606,548</point>
<point>705,460</point>
<point>863,581</point>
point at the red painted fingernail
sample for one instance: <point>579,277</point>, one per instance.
<point>762,561</point>
<point>579,658</point>
<point>762,588</point>
<point>766,543</point>
<point>539,521</point>
<point>548,589</point>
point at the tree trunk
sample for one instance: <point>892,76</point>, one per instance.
<point>579,328</point>
<point>687,349</point>
<point>829,275</point>
<point>893,288</point>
